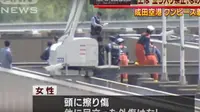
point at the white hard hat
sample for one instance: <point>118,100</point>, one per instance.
<point>151,28</point>
<point>120,39</point>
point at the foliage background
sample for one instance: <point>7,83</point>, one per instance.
<point>58,11</point>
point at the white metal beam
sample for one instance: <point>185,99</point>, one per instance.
<point>182,53</point>
<point>69,21</point>
<point>164,76</point>
<point>199,54</point>
<point>71,16</point>
<point>73,19</point>
<point>76,18</point>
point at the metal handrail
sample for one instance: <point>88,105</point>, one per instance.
<point>132,86</point>
<point>119,21</point>
<point>86,24</point>
<point>174,62</point>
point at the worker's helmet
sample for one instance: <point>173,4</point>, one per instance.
<point>112,38</point>
<point>150,29</point>
<point>120,40</point>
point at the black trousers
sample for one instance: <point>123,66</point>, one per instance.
<point>99,39</point>
<point>115,61</point>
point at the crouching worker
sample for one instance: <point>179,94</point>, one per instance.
<point>154,58</point>
<point>142,46</point>
<point>123,58</point>
<point>45,55</point>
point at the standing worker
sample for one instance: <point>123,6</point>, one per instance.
<point>123,58</point>
<point>96,27</point>
<point>6,56</point>
<point>142,46</point>
<point>45,55</point>
<point>154,59</point>
<point>114,49</point>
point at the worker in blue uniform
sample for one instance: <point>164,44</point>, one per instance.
<point>156,51</point>
<point>6,56</point>
<point>96,27</point>
<point>142,47</point>
<point>114,49</point>
<point>45,55</point>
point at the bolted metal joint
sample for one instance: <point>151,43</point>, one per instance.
<point>164,45</point>
<point>182,48</point>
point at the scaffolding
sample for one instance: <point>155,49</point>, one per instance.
<point>182,79</point>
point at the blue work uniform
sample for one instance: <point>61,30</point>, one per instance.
<point>6,58</point>
<point>96,25</point>
<point>45,55</point>
<point>115,52</point>
<point>154,50</point>
<point>145,41</point>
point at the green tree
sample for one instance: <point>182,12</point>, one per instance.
<point>59,10</point>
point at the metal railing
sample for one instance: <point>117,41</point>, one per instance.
<point>86,25</point>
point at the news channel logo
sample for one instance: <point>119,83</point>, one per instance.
<point>18,2</point>
<point>18,7</point>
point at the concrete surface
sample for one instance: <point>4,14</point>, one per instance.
<point>16,92</point>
